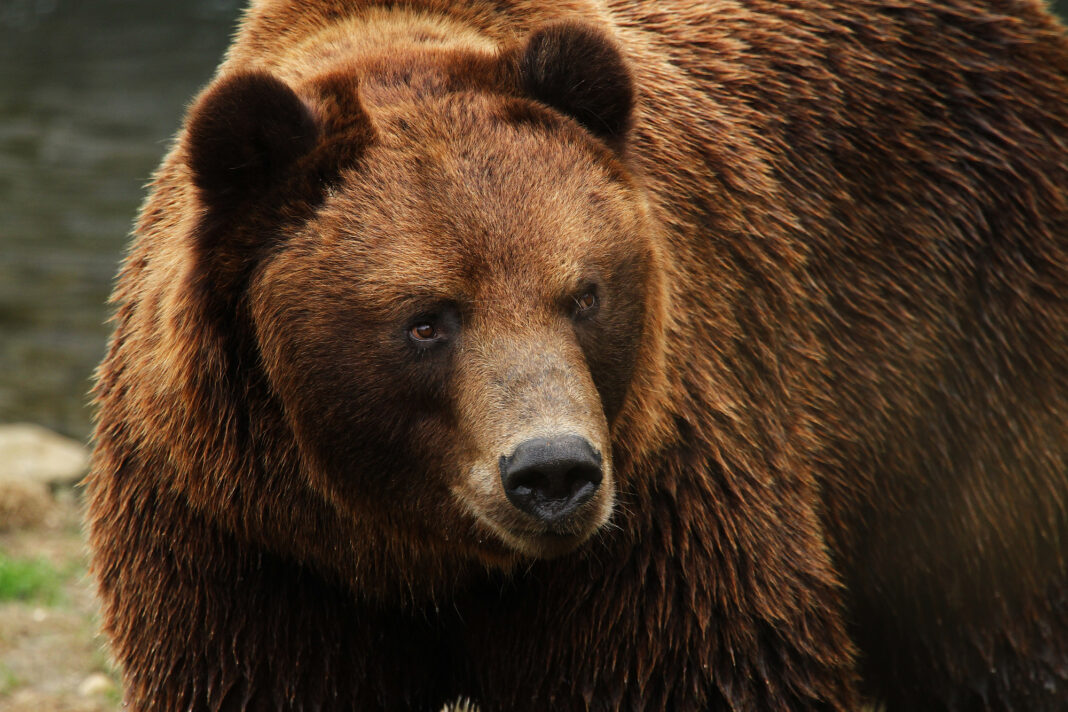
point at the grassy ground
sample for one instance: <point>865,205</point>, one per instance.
<point>51,658</point>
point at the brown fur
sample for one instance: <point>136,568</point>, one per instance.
<point>828,370</point>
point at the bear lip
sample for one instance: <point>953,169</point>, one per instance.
<point>528,536</point>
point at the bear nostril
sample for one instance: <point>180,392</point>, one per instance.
<point>551,478</point>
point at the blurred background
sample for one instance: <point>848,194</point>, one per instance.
<point>91,92</point>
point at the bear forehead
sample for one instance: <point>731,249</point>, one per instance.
<point>462,203</point>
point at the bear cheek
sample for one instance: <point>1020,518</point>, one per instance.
<point>610,342</point>
<point>610,350</point>
<point>368,422</point>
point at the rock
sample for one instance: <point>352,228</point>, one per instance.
<point>33,461</point>
<point>30,453</point>
<point>24,504</point>
<point>96,684</point>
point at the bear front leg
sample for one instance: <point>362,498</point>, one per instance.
<point>710,592</point>
<point>200,621</point>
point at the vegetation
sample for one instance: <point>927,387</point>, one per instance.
<point>8,680</point>
<point>29,580</point>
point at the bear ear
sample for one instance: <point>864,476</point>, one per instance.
<point>242,137</point>
<point>579,71</point>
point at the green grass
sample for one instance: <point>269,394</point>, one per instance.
<point>29,580</point>
<point>8,680</point>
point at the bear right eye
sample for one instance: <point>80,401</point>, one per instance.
<point>424,331</point>
<point>437,326</point>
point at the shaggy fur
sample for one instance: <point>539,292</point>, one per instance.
<point>826,245</point>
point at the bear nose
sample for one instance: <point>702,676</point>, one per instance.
<point>551,477</point>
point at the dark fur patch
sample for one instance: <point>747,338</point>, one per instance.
<point>577,70</point>
<point>243,136</point>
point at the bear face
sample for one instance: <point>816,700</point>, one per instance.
<point>445,328</point>
<point>503,314</point>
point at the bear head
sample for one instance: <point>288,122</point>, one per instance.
<point>443,267</point>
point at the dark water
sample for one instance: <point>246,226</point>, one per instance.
<point>90,93</point>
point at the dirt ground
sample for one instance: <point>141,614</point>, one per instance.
<point>51,656</point>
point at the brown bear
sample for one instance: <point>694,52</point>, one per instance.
<point>650,355</point>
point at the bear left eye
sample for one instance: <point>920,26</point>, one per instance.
<point>585,302</point>
<point>433,328</point>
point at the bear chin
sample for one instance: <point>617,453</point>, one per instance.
<point>548,546</point>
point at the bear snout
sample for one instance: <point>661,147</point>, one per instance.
<point>550,478</point>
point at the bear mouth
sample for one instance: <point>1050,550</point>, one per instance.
<point>527,537</point>
<point>502,529</point>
